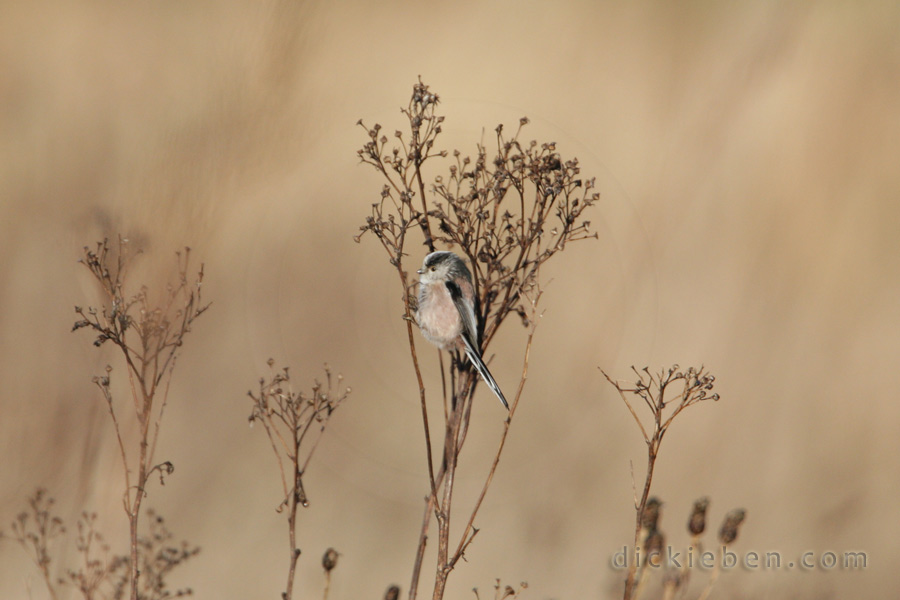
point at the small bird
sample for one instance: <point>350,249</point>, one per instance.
<point>446,313</point>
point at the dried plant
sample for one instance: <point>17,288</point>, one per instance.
<point>696,525</point>
<point>507,210</point>
<point>697,520</point>
<point>99,575</point>
<point>677,567</point>
<point>728,533</point>
<point>294,423</point>
<point>329,562</point>
<point>148,336</point>
<point>651,389</point>
<point>35,530</point>
<point>158,558</point>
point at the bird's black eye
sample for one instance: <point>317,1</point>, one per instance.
<point>433,269</point>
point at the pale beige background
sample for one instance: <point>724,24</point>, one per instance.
<point>747,154</point>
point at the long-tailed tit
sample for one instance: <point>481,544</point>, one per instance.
<point>446,313</point>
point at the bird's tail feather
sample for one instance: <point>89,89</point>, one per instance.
<point>482,369</point>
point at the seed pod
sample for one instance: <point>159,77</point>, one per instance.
<point>392,593</point>
<point>697,522</point>
<point>729,531</point>
<point>329,559</point>
<point>650,516</point>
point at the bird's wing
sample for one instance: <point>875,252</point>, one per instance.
<point>470,339</point>
<point>466,314</point>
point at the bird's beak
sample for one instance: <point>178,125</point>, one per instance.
<point>419,271</point>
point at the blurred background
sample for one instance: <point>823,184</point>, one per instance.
<point>747,158</point>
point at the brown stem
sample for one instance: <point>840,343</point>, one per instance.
<point>48,581</point>
<point>426,223</point>
<point>420,549</point>
<point>133,517</point>
<point>652,451</point>
<point>327,585</point>
<point>466,539</point>
<point>295,553</point>
<point>421,382</point>
<point>432,499</point>
<point>451,454</point>
<point>712,580</point>
<point>295,500</point>
<point>423,537</point>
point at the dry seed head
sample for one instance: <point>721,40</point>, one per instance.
<point>697,522</point>
<point>729,531</point>
<point>329,559</point>
<point>654,544</point>
<point>650,517</point>
<point>392,593</point>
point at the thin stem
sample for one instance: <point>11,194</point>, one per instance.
<point>423,537</point>
<point>420,548</point>
<point>628,404</point>
<point>465,540</point>
<point>294,498</point>
<point>712,580</point>
<point>327,585</point>
<point>443,513</point>
<point>421,382</point>
<point>426,224</point>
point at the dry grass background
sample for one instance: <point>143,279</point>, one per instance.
<point>747,154</point>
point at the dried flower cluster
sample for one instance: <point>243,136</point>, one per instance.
<point>35,530</point>
<point>507,210</point>
<point>652,551</point>
<point>158,557</point>
<point>159,329</point>
<point>291,419</point>
<point>651,389</point>
<point>101,574</point>
<point>148,336</point>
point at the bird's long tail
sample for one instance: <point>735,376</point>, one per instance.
<point>475,359</point>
